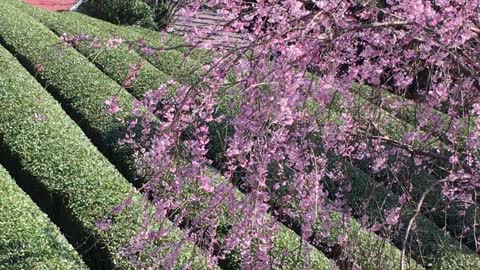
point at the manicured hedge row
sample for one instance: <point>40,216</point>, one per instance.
<point>287,240</point>
<point>288,249</point>
<point>122,11</point>
<point>393,127</point>
<point>410,110</point>
<point>113,62</point>
<point>57,163</point>
<point>28,239</point>
<point>172,62</point>
<point>367,250</point>
<point>156,39</point>
<point>437,249</point>
<point>70,77</point>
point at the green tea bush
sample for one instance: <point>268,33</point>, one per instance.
<point>116,63</point>
<point>28,239</point>
<point>122,11</point>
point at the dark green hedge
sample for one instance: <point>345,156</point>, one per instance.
<point>122,11</point>
<point>432,246</point>
<point>410,111</point>
<point>69,76</point>
<point>288,248</point>
<point>115,62</point>
<point>28,239</point>
<point>172,62</point>
<point>74,182</point>
<point>367,250</point>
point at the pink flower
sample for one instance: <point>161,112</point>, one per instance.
<point>114,43</point>
<point>112,105</point>
<point>392,216</point>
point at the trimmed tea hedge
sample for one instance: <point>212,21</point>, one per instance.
<point>288,249</point>
<point>60,167</point>
<point>367,250</point>
<point>287,240</point>
<point>437,249</point>
<point>172,62</point>
<point>185,69</point>
<point>28,239</point>
<point>156,39</point>
<point>69,76</point>
<point>113,62</point>
<point>410,111</point>
<point>122,11</point>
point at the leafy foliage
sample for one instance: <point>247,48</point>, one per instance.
<point>28,239</point>
<point>123,11</point>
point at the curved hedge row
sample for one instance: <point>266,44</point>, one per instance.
<point>395,128</point>
<point>410,110</point>
<point>28,239</point>
<point>122,11</point>
<point>289,249</point>
<point>171,62</point>
<point>430,245</point>
<point>60,167</point>
<point>113,62</point>
<point>69,76</point>
<point>89,109</point>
